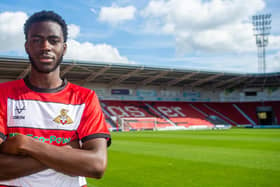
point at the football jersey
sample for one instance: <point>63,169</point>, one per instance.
<point>54,116</point>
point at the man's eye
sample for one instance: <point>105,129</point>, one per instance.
<point>54,41</point>
<point>36,40</point>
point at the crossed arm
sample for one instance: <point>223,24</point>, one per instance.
<point>12,167</point>
<point>21,155</point>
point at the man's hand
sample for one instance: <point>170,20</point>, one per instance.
<point>15,145</point>
<point>15,166</point>
<point>73,144</point>
<point>89,160</point>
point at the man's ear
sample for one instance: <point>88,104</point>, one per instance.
<point>64,48</point>
<point>26,47</point>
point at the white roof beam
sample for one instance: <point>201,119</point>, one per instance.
<point>185,77</point>
<point>93,75</point>
<point>197,83</point>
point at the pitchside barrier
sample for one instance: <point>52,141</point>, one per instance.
<point>150,123</point>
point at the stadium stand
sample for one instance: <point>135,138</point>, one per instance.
<point>141,116</point>
<point>208,111</point>
<point>180,113</point>
<point>276,109</point>
<point>230,111</point>
<point>250,108</point>
<point>142,97</point>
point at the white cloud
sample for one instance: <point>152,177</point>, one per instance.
<point>11,31</point>
<point>12,39</point>
<point>73,31</point>
<point>89,52</point>
<point>273,42</point>
<point>115,15</point>
<point>214,25</point>
<point>237,38</point>
<point>273,63</point>
<point>238,63</point>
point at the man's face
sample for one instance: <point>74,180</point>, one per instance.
<point>45,46</point>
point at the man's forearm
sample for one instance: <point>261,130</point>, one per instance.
<point>12,167</point>
<point>90,160</point>
<point>87,162</point>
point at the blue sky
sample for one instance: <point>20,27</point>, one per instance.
<point>211,35</point>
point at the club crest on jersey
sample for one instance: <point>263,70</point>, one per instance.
<point>63,118</point>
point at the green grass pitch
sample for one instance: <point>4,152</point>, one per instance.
<point>214,158</point>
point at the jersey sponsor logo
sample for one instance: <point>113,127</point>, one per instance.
<point>19,108</point>
<point>63,118</point>
<point>51,139</point>
<point>19,117</point>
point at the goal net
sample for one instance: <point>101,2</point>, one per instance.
<point>129,124</point>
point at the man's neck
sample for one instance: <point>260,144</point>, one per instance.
<point>45,80</point>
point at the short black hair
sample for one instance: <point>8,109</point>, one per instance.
<point>46,16</point>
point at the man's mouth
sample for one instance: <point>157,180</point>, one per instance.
<point>46,58</point>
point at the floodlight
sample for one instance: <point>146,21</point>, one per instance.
<point>261,27</point>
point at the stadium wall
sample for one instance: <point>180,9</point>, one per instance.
<point>153,93</point>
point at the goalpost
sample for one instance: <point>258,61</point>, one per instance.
<point>130,124</point>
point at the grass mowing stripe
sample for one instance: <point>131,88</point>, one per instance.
<point>188,158</point>
<point>151,171</point>
<point>233,143</point>
<point>203,153</point>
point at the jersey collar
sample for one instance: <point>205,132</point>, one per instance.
<point>45,90</point>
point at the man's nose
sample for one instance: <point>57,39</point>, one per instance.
<point>45,45</point>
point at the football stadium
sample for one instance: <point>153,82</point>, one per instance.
<point>180,127</point>
<point>190,91</point>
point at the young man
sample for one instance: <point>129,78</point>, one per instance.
<point>51,131</point>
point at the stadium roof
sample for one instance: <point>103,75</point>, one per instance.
<point>134,75</point>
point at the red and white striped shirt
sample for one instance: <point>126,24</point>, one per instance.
<point>53,116</point>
